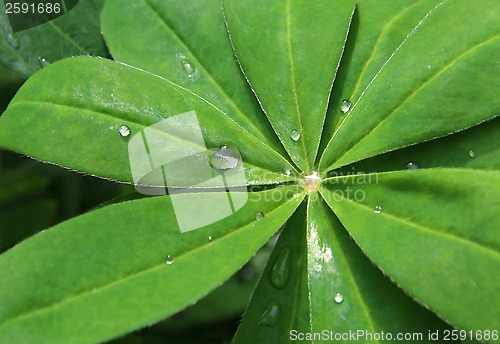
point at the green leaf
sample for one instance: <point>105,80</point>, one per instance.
<point>376,31</point>
<point>290,67</point>
<point>471,149</point>
<point>191,49</point>
<point>77,126</point>
<point>74,33</point>
<point>276,311</point>
<point>345,286</point>
<point>434,232</point>
<point>227,301</point>
<point>440,79</point>
<point>115,276</point>
<point>332,286</point>
<point>422,78</point>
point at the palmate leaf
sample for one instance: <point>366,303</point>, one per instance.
<point>434,233</point>
<point>318,280</point>
<point>454,151</point>
<point>425,230</point>
<point>440,79</point>
<point>124,283</point>
<point>59,105</point>
<point>75,33</point>
<point>191,49</point>
<point>294,74</point>
<point>471,149</point>
<point>374,22</point>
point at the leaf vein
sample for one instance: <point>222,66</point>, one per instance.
<point>422,86</point>
<point>134,274</point>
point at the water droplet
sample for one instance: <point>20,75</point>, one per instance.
<point>224,158</point>
<point>345,106</point>
<point>259,216</point>
<point>472,154</point>
<point>429,66</point>
<point>288,171</point>
<point>43,62</point>
<point>170,260</point>
<point>188,67</point>
<point>377,209</point>
<point>124,130</point>
<point>209,238</point>
<point>339,298</point>
<point>412,166</point>
<point>295,135</point>
<point>13,42</point>
<point>270,315</point>
<point>281,269</point>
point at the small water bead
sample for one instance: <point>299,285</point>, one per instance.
<point>339,298</point>
<point>225,158</point>
<point>295,135</point>
<point>188,67</point>
<point>377,209</point>
<point>124,130</point>
<point>13,42</point>
<point>43,62</point>
<point>170,260</point>
<point>270,315</point>
<point>412,166</point>
<point>429,66</point>
<point>472,154</point>
<point>259,216</point>
<point>281,269</point>
<point>209,238</point>
<point>288,171</point>
<point>345,106</point>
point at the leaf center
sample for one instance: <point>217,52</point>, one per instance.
<point>311,182</point>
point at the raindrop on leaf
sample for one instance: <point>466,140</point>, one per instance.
<point>270,315</point>
<point>281,269</point>
<point>295,135</point>
<point>170,260</point>
<point>345,106</point>
<point>412,166</point>
<point>124,130</point>
<point>188,67</point>
<point>339,298</point>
